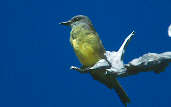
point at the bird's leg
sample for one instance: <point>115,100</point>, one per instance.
<point>109,63</point>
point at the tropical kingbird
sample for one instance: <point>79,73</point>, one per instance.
<point>89,49</point>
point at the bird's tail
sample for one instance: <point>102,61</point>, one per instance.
<point>120,92</point>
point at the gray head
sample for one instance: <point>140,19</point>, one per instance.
<point>76,20</point>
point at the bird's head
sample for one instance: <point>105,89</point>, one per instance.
<point>77,20</point>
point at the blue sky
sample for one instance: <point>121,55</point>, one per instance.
<point>36,54</point>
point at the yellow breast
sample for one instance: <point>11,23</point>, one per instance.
<point>85,53</point>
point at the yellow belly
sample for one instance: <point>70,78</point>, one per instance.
<point>85,53</point>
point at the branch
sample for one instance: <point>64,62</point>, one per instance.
<point>121,51</point>
<point>148,62</point>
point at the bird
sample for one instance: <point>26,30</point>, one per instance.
<point>89,49</point>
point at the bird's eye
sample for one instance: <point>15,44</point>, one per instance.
<point>76,19</point>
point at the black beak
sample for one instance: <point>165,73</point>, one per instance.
<point>68,23</point>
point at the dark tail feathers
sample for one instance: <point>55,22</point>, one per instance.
<point>120,92</point>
